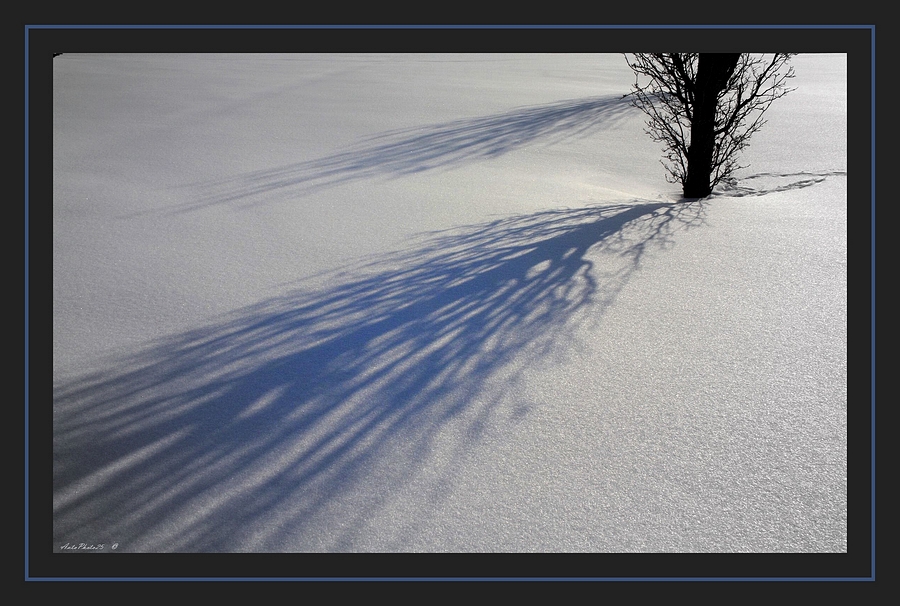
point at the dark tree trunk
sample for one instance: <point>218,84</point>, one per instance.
<point>713,72</point>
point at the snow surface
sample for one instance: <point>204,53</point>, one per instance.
<point>439,303</point>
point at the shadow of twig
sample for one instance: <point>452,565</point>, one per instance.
<point>288,424</point>
<point>767,183</point>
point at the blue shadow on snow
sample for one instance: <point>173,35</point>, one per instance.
<point>279,427</point>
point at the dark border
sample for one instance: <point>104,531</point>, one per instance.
<point>42,42</point>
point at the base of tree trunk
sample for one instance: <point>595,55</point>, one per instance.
<point>695,190</point>
<point>696,193</point>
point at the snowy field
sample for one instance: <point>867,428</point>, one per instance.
<point>438,303</point>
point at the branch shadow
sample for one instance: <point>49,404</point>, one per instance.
<point>415,150</point>
<point>768,183</point>
<point>288,425</point>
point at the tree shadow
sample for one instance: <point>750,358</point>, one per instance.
<point>291,423</point>
<point>415,150</point>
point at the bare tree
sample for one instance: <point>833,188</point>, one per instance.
<point>704,107</point>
